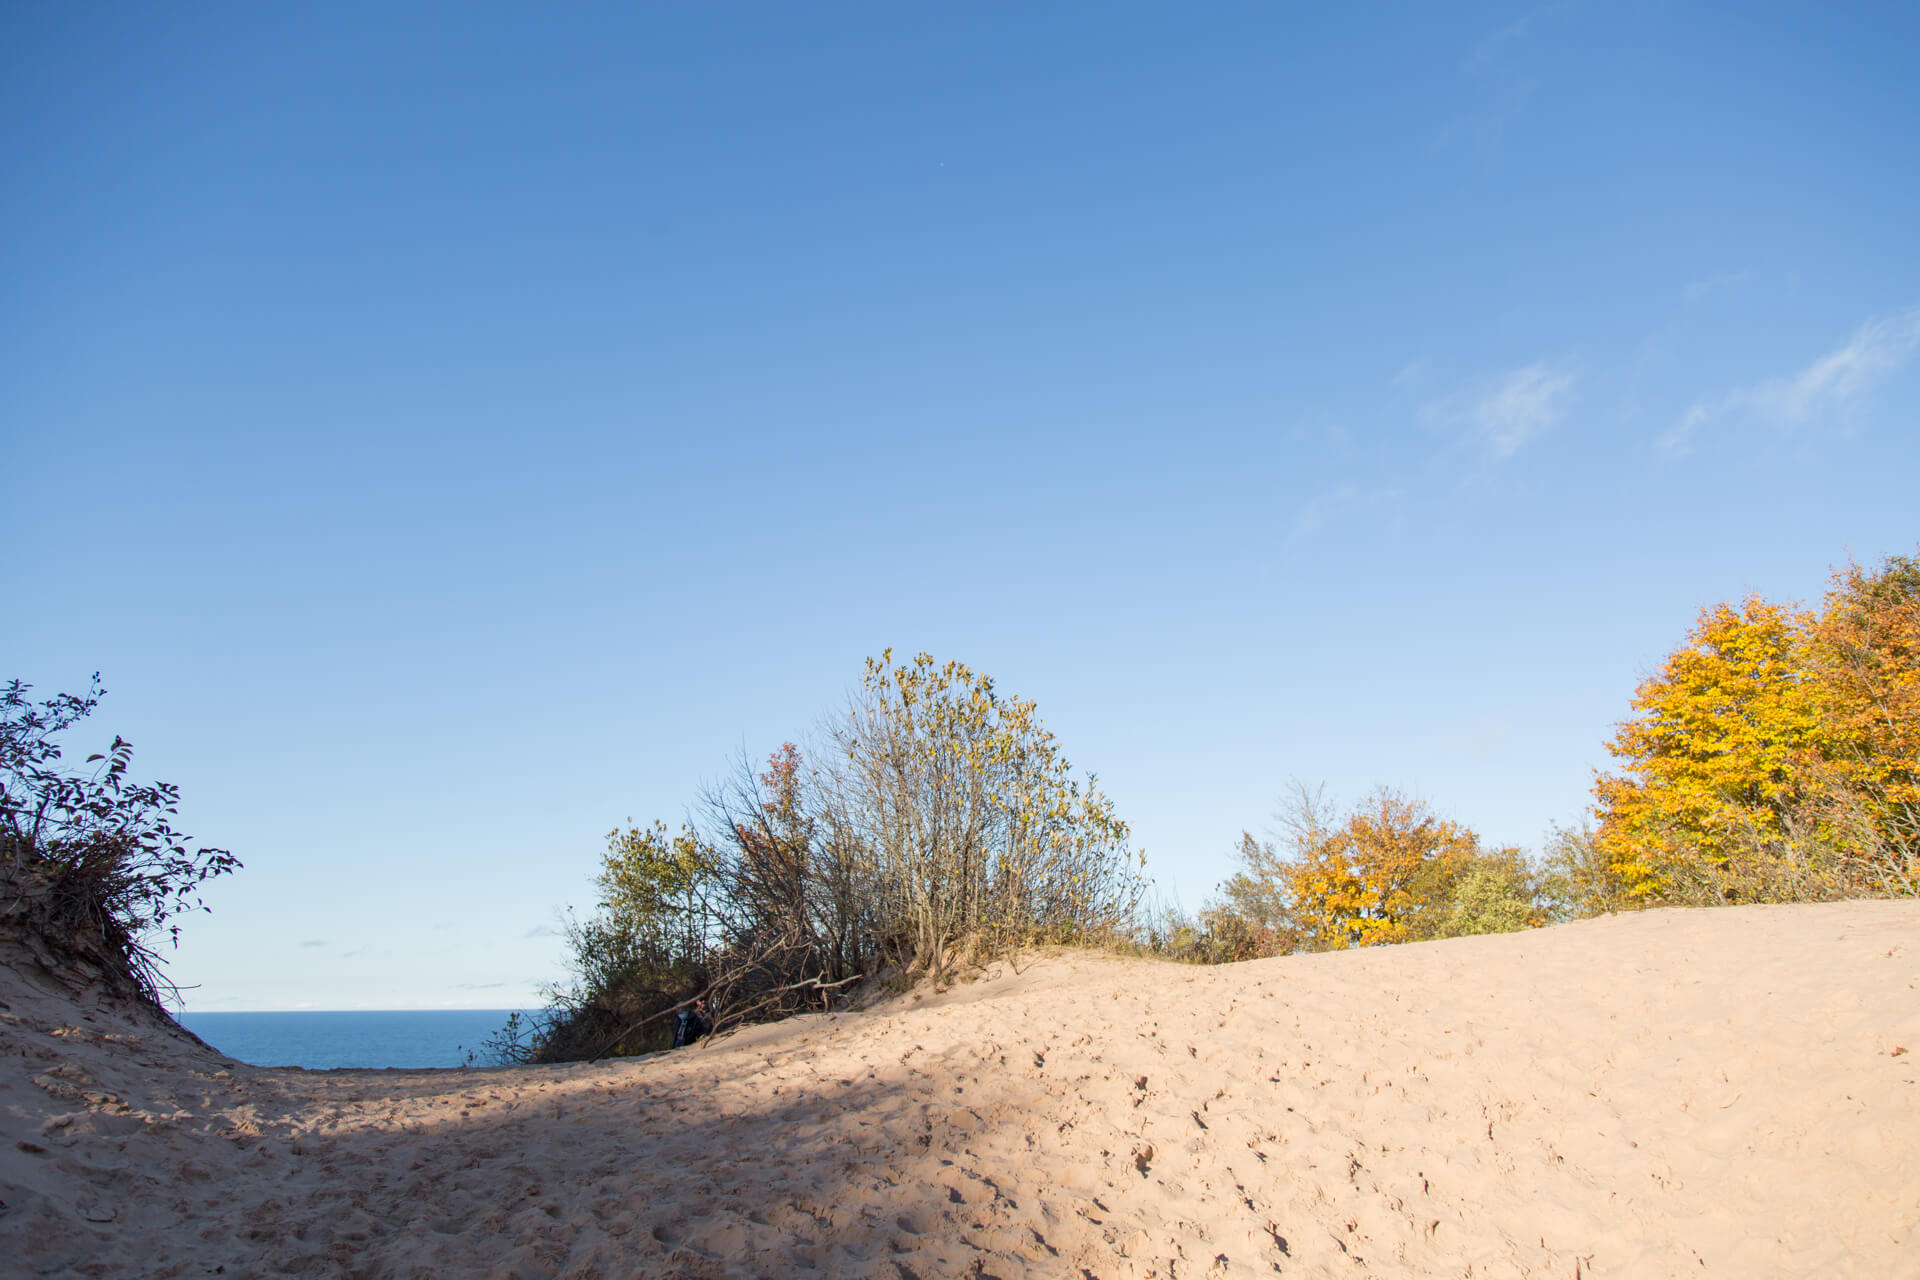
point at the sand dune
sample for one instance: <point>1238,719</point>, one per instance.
<point>1725,1093</point>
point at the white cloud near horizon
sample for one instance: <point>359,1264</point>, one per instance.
<point>1879,348</point>
<point>1514,408</point>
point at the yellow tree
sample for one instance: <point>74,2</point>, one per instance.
<point>1386,875</point>
<point>1716,752</point>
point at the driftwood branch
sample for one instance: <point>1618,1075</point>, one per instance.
<point>733,1016</point>
<point>736,1016</point>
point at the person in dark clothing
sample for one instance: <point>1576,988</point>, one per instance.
<point>691,1023</point>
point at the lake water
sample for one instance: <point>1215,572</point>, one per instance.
<point>378,1038</point>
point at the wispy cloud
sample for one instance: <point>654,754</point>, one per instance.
<point>1510,410</point>
<point>1324,508</point>
<point>1503,84</point>
<point>314,942</point>
<point>1488,50</point>
<point>542,931</point>
<point>1877,349</point>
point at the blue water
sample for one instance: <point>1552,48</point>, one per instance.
<point>379,1038</point>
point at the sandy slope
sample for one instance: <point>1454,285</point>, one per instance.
<point>1670,1094</point>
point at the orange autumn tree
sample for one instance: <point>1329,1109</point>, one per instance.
<point>1392,872</point>
<point>1772,758</point>
<point>1865,651</point>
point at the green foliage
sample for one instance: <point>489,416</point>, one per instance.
<point>651,889</point>
<point>1487,899</point>
<point>1576,877</point>
<point>1212,937</point>
<point>966,818</point>
<point>938,821</point>
<point>643,949</point>
<point>93,866</point>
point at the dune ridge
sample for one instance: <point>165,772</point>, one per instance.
<point>1727,1092</point>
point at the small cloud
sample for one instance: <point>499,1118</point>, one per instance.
<point>542,931</point>
<point>1409,374</point>
<point>1700,290</point>
<point>314,942</point>
<point>1878,349</point>
<point>478,986</point>
<point>1512,409</point>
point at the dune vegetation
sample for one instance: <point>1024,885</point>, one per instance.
<point>1773,758</point>
<point>92,872</point>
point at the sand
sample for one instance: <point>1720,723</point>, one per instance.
<point>1674,1093</point>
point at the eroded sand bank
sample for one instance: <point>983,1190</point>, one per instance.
<point>1724,1093</point>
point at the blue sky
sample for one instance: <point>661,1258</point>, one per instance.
<point>454,429</point>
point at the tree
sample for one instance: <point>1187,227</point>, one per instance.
<point>1489,898</point>
<point>967,820</point>
<point>1715,751</point>
<point>92,865</point>
<point>653,890</point>
<point>778,878</point>
<point>1864,650</point>
<point>1774,756</point>
<point>1251,918</point>
<point>1389,870</point>
<point>1576,879</point>
<point>1387,874</point>
<point>938,818</point>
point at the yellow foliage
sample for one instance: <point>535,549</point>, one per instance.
<point>1714,747</point>
<point>1774,756</point>
<point>1386,875</point>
